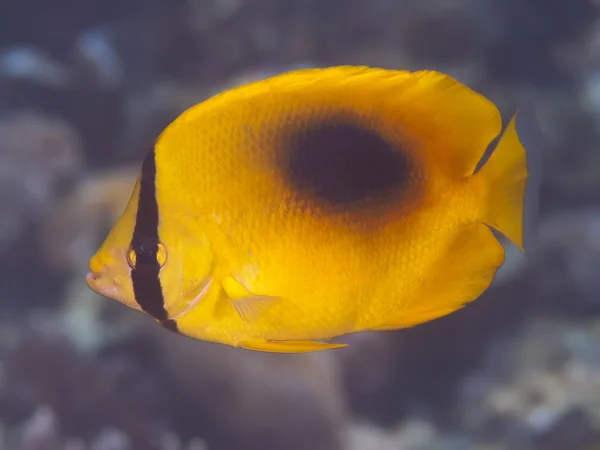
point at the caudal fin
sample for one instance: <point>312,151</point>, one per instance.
<point>508,175</point>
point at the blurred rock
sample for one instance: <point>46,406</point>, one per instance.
<point>53,26</point>
<point>543,378</point>
<point>439,32</point>
<point>117,66</point>
<point>410,435</point>
<point>580,56</point>
<point>117,387</point>
<point>96,60</point>
<point>92,322</point>
<point>39,156</point>
<point>81,220</point>
<point>148,112</point>
<point>111,439</point>
<point>75,444</point>
<point>40,432</point>
<point>528,33</point>
<point>197,444</point>
<point>28,63</point>
<point>574,430</point>
<point>565,268</point>
<point>365,437</point>
<point>370,366</point>
<point>571,161</point>
<point>258,401</point>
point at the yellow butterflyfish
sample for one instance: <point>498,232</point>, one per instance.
<point>281,214</point>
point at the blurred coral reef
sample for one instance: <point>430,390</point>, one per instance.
<point>85,88</point>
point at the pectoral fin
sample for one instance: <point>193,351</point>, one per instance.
<point>263,345</point>
<point>250,307</point>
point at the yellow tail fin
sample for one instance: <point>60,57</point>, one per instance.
<point>506,175</point>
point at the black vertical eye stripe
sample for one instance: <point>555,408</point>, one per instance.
<point>145,278</point>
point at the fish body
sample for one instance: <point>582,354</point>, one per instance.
<point>318,203</point>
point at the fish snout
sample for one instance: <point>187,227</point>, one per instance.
<point>97,266</point>
<point>92,278</point>
<point>99,280</point>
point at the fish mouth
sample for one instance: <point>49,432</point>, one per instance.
<point>101,285</point>
<point>91,279</point>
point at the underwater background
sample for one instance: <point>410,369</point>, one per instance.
<point>85,88</point>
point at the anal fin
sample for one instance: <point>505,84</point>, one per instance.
<point>460,276</point>
<point>264,345</point>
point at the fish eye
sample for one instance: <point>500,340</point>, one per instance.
<point>146,253</point>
